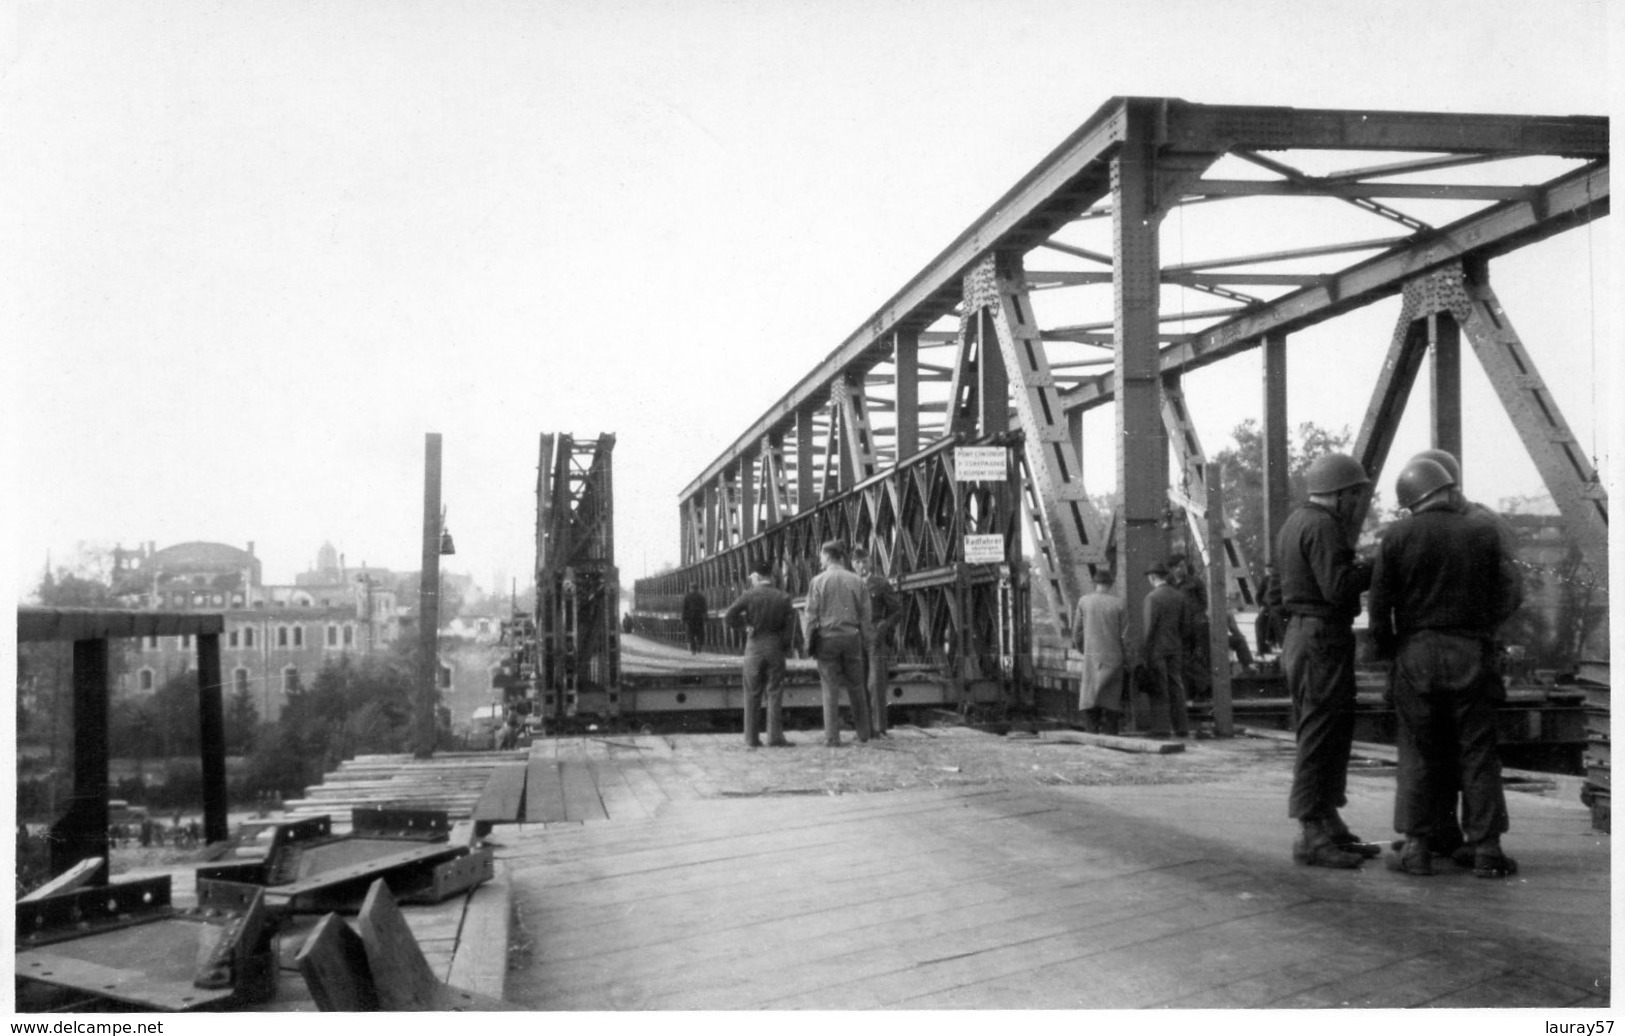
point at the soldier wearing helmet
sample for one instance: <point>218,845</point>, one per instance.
<point>1447,838</point>
<point>1439,592</point>
<point>1321,583</point>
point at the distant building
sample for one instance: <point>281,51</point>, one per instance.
<point>277,636</point>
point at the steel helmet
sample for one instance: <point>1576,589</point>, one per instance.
<point>1445,458</point>
<point>1423,477</point>
<point>1333,472</point>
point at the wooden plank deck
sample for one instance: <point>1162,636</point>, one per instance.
<point>704,890</point>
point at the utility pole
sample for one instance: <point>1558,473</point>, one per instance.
<point>423,735</point>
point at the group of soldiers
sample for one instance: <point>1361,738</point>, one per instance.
<point>847,621</point>
<point>1442,580</point>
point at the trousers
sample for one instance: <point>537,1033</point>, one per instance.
<point>841,670</point>
<point>1444,696</point>
<point>764,678</point>
<point>1317,657</point>
<point>1166,685</point>
<point>877,689</point>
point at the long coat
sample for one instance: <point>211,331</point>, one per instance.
<point>1100,633</point>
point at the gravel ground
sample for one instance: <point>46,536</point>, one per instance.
<point>944,757</point>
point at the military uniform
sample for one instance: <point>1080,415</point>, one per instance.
<point>767,612</point>
<point>1321,583</point>
<point>886,609</point>
<point>1441,588</point>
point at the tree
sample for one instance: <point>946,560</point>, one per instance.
<point>242,718</point>
<point>1242,471</point>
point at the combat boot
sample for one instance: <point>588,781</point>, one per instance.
<point>1490,862</point>
<point>1347,840</point>
<point>1414,859</point>
<point>1314,848</point>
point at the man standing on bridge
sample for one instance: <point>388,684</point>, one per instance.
<point>1441,588</point>
<point>694,609</point>
<point>765,611</point>
<point>839,628</point>
<point>886,610</point>
<point>1321,583</point>
<point>1164,621</point>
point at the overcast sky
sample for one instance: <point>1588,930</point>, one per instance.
<point>255,251</point>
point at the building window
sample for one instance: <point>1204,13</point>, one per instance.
<point>231,639</point>
<point>282,636</point>
<point>496,676</point>
<point>349,635</point>
<point>236,600</point>
<point>145,682</point>
<point>445,676</point>
<point>332,635</point>
<point>239,678</point>
<point>290,679</point>
<point>248,636</point>
<point>152,643</point>
<point>184,641</point>
<point>218,599</point>
<point>299,636</point>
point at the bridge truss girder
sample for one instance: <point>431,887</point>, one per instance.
<point>577,584</point>
<point>966,323</point>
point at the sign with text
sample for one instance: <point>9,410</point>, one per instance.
<point>979,463</point>
<point>984,549</point>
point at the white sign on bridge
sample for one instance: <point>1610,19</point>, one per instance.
<point>980,463</point>
<point>984,549</point>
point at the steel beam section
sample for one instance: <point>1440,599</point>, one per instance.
<point>1142,444</point>
<point>804,460</point>
<point>1444,346</point>
<point>747,496</point>
<point>1315,187</point>
<point>1562,464</point>
<point>1194,495</point>
<point>1068,532</point>
<point>852,405</point>
<point>906,366</point>
<point>1277,487</point>
<point>1566,202</point>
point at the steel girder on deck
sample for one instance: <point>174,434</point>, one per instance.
<point>878,396</point>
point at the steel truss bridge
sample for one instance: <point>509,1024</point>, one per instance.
<point>966,352</point>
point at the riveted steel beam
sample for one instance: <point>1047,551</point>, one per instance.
<point>1568,201</point>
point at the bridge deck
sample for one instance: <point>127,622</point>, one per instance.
<point>1000,873</point>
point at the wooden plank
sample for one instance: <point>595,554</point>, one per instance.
<point>581,800</point>
<point>333,961</point>
<point>503,795</point>
<point>616,795</point>
<point>1119,744</point>
<point>480,963</point>
<point>401,976</point>
<point>68,881</point>
<point>544,794</point>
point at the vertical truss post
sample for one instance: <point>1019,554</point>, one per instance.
<point>1194,468</point>
<point>1066,530</point>
<point>212,738</point>
<point>774,485</point>
<point>963,401</point>
<point>1444,346</point>
<point>852,408</point>
<point>993,379</point>
<point>1277,488</point>
<point>1562,464</point>
<point>712,526</point>
<point>1142,444</point>
<point>747,496</point>
<point>1217,605</point>
<point>81,833</point>
<point>906,360</point>
<point>835,474</point>
<point>805,499</point>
